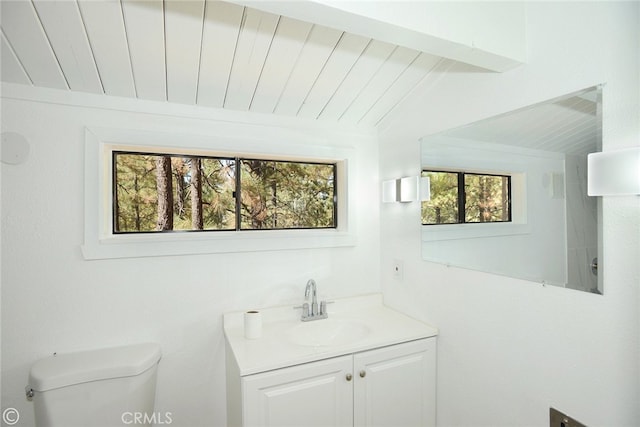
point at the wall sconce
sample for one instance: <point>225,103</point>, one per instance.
<point>389,191</point>
<point>614,173</point>
<point>407,189</point>
<point>425,189</point>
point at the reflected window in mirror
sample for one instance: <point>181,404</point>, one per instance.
<point>554,236</point>
<point>466,198</point>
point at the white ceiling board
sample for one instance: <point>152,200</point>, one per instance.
<point>26,36</point>
<point>64,27</point>
<point>546,127</point>
<point>144,23</point>
<point>314,55</point>
<point>183,31</point>
<point>254,42</point>
<point>365,68</point>
<point>388,73</point>
<point>583,141</point>
<point>403,85</point>
<point>566,135</point>
<point>210,53</point>
<point>287,44</point>
<point>12,70</point>
<point>568,125</point>
<point>433,77</point>
<point>220,35</point>
<point>105,28</point>
<point>344,56</point>
<point>547,131</point>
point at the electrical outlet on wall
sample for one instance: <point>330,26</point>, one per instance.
<point>558,419</point>
<point>398,269</point>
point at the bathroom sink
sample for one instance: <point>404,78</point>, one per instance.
<point>354,324</point>
<point>327,332</point>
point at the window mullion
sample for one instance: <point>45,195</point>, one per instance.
<point>238,194</point>
<point>462,209</point>
<point>114,194</point>
<point>508,201</point>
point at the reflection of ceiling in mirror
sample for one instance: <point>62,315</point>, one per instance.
<point>567,125</point>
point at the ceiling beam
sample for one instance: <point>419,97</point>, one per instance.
<point>485,34</point>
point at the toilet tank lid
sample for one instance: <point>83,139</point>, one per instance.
<point>63,370</point>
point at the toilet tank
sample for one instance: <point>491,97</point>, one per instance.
<point>97,388</point>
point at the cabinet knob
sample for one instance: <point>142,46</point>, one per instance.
<point>363,374</point>
<point>349,376</point>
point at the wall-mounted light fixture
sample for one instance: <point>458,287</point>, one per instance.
<point>407,189</point>
<point>425,189</point>
<point>614,173</point>
<point>389,191</point>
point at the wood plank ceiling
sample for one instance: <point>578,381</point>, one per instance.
<point>570,124</point>
<point>207,53</point>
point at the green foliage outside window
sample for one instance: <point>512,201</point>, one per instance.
<point>458,197</point>
<point>136,202</point>
<point>155,192</point>
<point>287,195</point>
<point>486,198</point>
<point>443,206</point>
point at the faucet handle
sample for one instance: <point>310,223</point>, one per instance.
<point>305,309</point>
<point>323,306</point>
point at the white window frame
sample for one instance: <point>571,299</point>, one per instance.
<point>101,243</point>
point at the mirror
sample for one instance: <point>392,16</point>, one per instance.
<point>551,233</point>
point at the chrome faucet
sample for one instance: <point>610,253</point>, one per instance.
<point>313,312</point>
<point>311,287</point>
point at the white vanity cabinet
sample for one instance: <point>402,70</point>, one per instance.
<point>364,365</point>
<point>313,394</point>
<point>389,386</point>
<point>396,385</point>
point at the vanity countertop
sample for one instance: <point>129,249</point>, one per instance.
<point>354,324</point>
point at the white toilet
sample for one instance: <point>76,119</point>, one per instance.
<point>98,388</point>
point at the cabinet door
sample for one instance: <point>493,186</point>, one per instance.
<point>313,394</point>
<point>396,385</point>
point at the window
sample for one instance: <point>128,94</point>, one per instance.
<point>223,229</point>
<point>157,192</point>
<point>463,197</point>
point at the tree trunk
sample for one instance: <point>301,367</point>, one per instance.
<point>179,173</point>
<point>197,222</point>
<point>274,198</point>
<point>137,205</point>
<point>165,193</point>
<point>483,203</point>
<point>116,208</point>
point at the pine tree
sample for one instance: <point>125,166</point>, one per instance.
<point>165,193</point>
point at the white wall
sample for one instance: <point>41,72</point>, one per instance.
<point>510,349</point>
<point>55,301</point>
